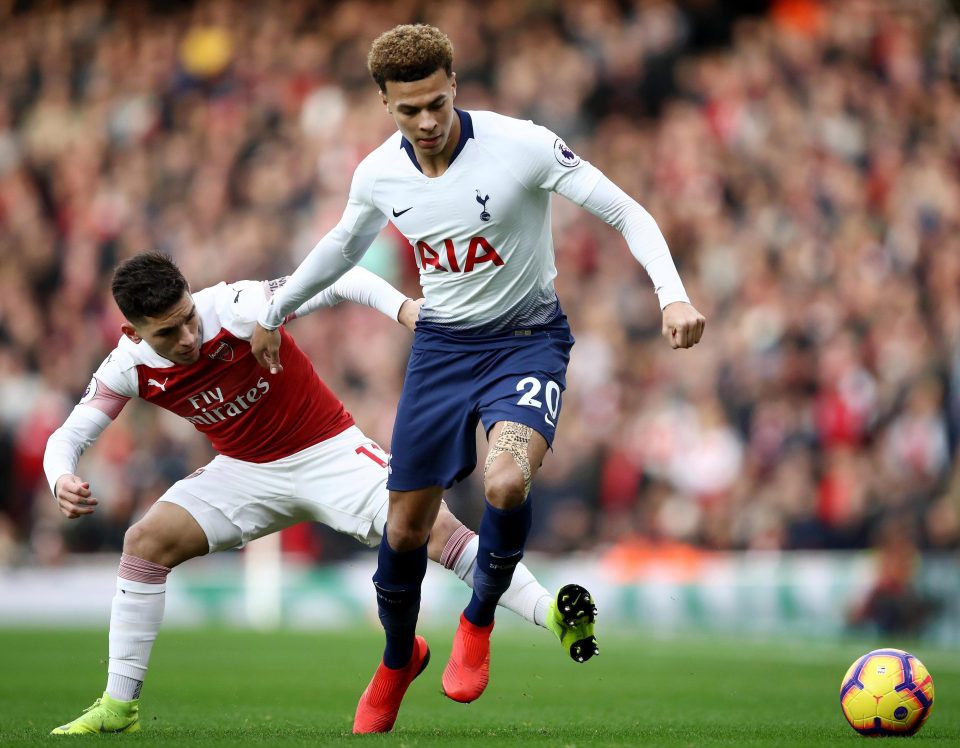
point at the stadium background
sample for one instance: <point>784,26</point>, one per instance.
<point>795,472</point>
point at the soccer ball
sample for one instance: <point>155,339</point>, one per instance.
<point>886,692</point>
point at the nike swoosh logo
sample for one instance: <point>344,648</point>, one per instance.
<point>398,213</point>
<point>503,558</point>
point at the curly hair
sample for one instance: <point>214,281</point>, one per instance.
<point>147,285</point>
<point>409,52</point>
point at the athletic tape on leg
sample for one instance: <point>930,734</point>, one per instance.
<point>513,440</point>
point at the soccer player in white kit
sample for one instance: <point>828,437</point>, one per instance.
<point>288,452</point>
<point>471,192</point>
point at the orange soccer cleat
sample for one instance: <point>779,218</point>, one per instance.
<point>380,702</point>
<point>468,669</point>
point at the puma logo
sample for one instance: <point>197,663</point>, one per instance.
<point>155,383</point>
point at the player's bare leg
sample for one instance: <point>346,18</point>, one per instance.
<point>166,537</point>
<point>401,564</point>
<point>516,452</point>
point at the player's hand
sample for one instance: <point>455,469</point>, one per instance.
<point>410,313</point>
<point>74,497</point>
<point>265,345</point>
<point>682,325</point>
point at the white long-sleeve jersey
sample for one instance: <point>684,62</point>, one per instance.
<point>480,231</point>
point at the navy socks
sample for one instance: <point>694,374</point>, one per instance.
<point>397,582</point>
<point>503,533</point>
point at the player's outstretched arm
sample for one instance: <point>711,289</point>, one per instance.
<point>64,447</point>
<point>682,325</point>
<point>357,285</point>
<point>324,265</point>
<point>360,286</point>
<point>332,256</point>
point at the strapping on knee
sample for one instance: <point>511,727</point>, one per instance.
<point>513,440</point>
<point>454,546</point>
<point>137,569</point>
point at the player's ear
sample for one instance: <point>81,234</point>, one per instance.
<point>453,84</point>
<point>383,100</point>
<point>127,329</point>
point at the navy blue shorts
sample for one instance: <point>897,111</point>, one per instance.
<point>453,382</point>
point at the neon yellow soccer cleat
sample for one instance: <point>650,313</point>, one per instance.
<point>571,617</point>
<point>105,715</point>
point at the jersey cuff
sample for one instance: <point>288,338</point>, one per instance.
<point>268,318</point>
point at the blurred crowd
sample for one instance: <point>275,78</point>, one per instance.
<point>801,157</point>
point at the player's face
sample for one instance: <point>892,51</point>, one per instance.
<point>175,334</point>
<point>423,111</point>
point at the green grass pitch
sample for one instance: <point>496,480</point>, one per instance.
<point>225,687</point>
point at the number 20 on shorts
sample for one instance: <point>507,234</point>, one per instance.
<point>531,387</point>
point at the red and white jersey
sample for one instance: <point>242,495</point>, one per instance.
<point>244,411</point>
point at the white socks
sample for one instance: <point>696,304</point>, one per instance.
<point>526,596</point>
<point>540,611</point>
<point>135,620</point>
<point>137,610</point>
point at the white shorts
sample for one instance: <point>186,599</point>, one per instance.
<point>340,482</point>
